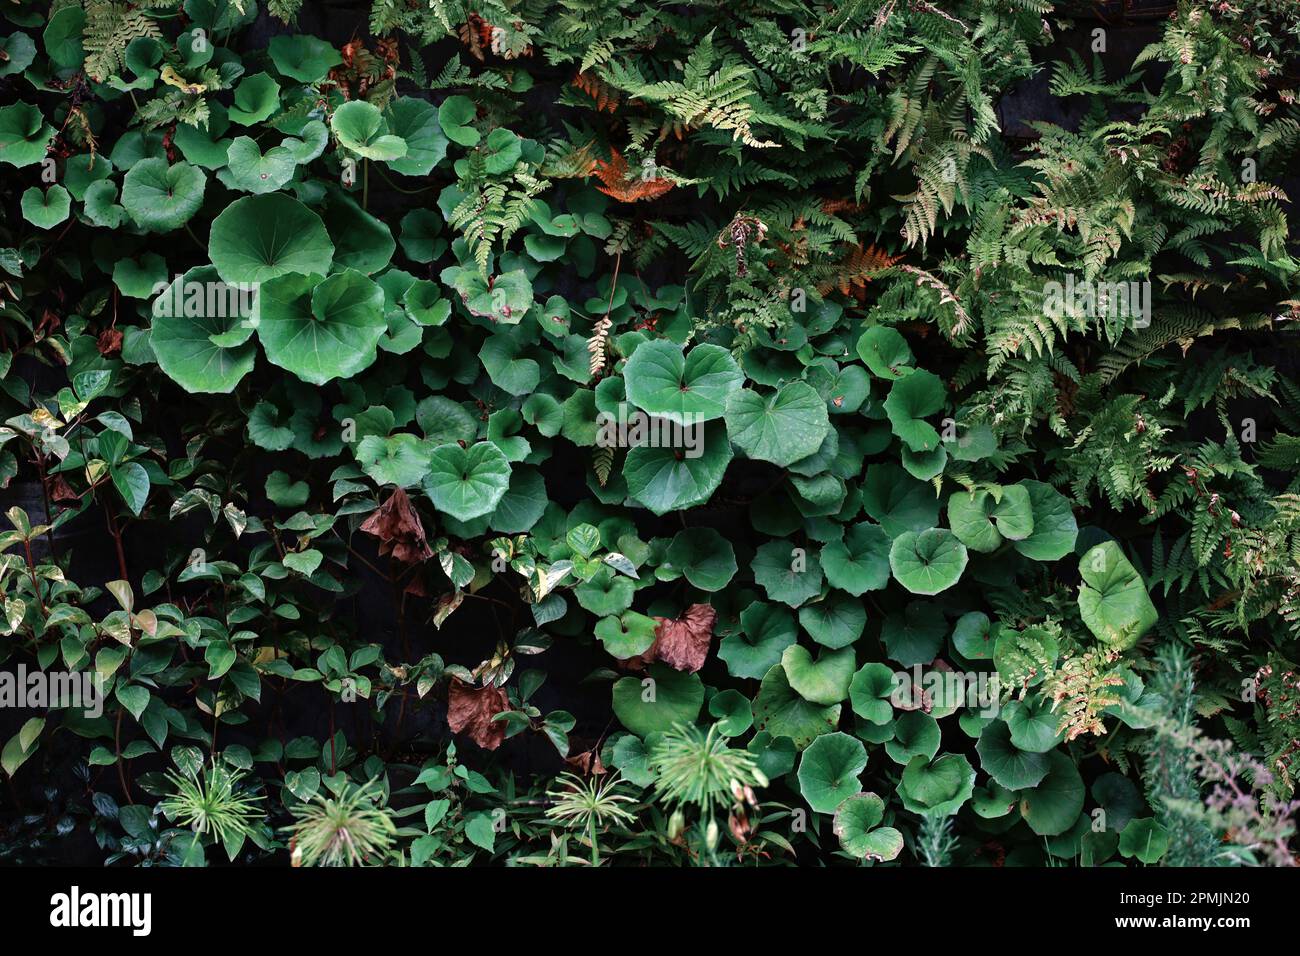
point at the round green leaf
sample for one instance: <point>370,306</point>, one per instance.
<point>856,826</point>
<point>685,389</point>
<point>161,197</point>
<point>823,681</point>
<point>1113,600</point>
<point>24,134</point>
<point>321,329</point>
<point>303,57</point>
<point>415,121</point>
<point>658,701</point>
<point>860,562</point>
<point>783,713</point>
<point>1010,766</point>
<point>911,399</point>
<point>871,691</point>
<point>454,116</point>
<point>667,479</point>
<point>361,128</point>
<point>627,635</point>
<point>46,208</point>
<point>781,427</point>
<point>916,635</point>
<point>915,733</point>
<point>705,557</point>
<point>766,631</point>
<point>939,787</point>
<point>886,352</point>
<point>467,482</point>
<point>973,636</point>
<point>255,172</point>
<point>257,238</point>
<point>929,562</point>
<point>256,98</point>
<point>829,769</point>
<point>187,330</point>
<point>897,501</point>
<point>834,622</point>
<point>1145,839</point>
<point>787,573</point>
<point>1055,529</point>
<point>1055,803</point>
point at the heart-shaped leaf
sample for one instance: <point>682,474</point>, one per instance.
<point>467,482</point>
<point>829,769</point>
<point>911,399</point>
<point>1113,600</point>
<point>821,681</point>
<point>658,701</point>
<point>857,826</point>
<point>191,320</point>
<point>160,197</point>
<point>261,237</point>
<point>685,389</point>
<point>361,128</point>
<point>929,562</point>
<point>321,329</point>
<point>781,427</point>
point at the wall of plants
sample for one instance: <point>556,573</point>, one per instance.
<point>621,432</point>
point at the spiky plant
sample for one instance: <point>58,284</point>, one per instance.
<point>697,768</point>
<point>210,803</point>
<point>590,805</point>
<point>350,828</point>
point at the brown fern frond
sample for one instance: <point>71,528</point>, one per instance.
<point>604,97</point>
<point>859,267</point>
<point>602,461</point>
<point>617,185</point>
<point>598,345</point>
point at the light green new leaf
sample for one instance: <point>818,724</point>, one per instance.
<point>321,329</point>
<point>1113,600</point>
<point>781,427</point>
<point>467,482</point>
<point>929,562</point>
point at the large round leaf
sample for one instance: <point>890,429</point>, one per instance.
<point>682,388</point>
<point>781,427</point>
<point>1113,600</point>
<point>46,208</point>
<point>911,399</point>
<point>860,562</point>
<point>189,332</point>
<point>783,713</point>
<point>1055,528</point>
<point>821,681</point>
<point>257,238</point>
<point>914,636</point>
<point>856,824</point>
<point>938,787</point>
<point>655,703</point>
<point>705,557</point>
<point>161,197</point>
<point>1055,803</point>
<point>834,622</point>
<point>1006,763</point>
<point>929,562</point>
<point>321,329</point>
<point>897,501</point>
<point>467,482</point>
<point>829,769</point>
<point>981,521</point>
<point>668,479</point>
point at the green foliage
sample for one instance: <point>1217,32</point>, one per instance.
<point>748,406</point>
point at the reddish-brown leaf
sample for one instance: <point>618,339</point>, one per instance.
<point>398,529</point>
<point>683,642</point>
<point>470,710</point>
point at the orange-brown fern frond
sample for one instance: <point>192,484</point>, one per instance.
<point>618,186</point>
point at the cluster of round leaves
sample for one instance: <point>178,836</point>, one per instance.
<point>327,301</point>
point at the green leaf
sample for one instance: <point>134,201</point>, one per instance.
<point>192,319</point>
<point>1052,806</point>
<point>1113,600</point>
<point>24,134</point>
<point>829,769</point>
<point>415,121</point>
<point>781,427</point>
<point>258,238</point>
<point>781,712</point>
<point>929,562</point>
<point>705,557</point>
<point>898,502</point>
<point>1145,839</point>
<point>46,208</point>
<point>1006,763</point>
<point>981,522</point>
<point>655,703</point>
<point>787,573</point>
<point>321,329</point>
<point>911,399</point>
<point>302,57</point>
<point>132,483</point>
<point>939,787</point>
<point>837,621</point>
<point>160,197</point>
<point>361,128</point>
<point>860,561</point>
<point>667,479</point>
<point>255,172</point>
<point>856,825</point>
<point>886,352</point>
<point>871,691</point>
<point>454,116</point>
<point>766,631</point>
<point>467,482</point>
<point>823,681</point>
<point>685,389</point>
<point>303,562</point>
<point>627,635</point>
<point>256,98</point>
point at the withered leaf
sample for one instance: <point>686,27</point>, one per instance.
<point>470,710</point>
<point>683,642</point>
<point>398,529</point>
